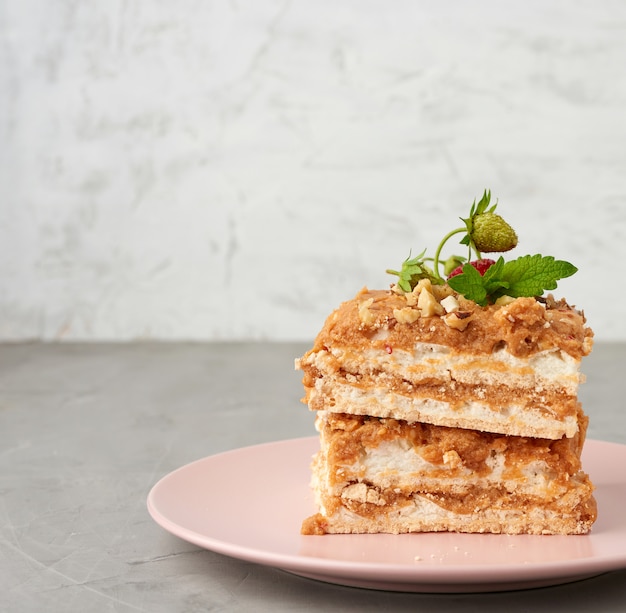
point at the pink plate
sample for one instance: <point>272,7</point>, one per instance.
<point>249,504</point>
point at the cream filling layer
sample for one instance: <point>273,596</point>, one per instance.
<point>553,369</point>
<point>396,466</point>
<point>510,418</point>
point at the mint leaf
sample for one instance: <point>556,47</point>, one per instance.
<point>494,280</point>
<point>470,283</point>
<point>529,275</point>
<point>413,269</point>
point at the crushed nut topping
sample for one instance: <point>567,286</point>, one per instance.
<point>450,304</point>
<point>365,315</point>
<point>407,315</point>
<point>459,320</point>
<point>359,492</point>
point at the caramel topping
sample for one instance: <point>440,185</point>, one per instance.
<point>525,326</point>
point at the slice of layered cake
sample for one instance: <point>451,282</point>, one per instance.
<point>450,404</point>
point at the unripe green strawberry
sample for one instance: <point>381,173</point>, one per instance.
<point>491,233</point>
<point>452,263</point>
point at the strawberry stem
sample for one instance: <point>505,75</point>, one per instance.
<point>444,240</point>
<point>478,254</point>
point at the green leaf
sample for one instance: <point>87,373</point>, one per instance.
<point>529,275</point>
<point>470,284</point>
<point>413,269</point>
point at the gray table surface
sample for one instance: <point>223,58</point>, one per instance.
<point>87,430</point>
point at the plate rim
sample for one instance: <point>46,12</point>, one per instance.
<point>338,571</point>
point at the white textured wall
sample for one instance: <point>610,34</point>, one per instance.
<point>218,170</point>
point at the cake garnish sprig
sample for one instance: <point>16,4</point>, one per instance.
<point>480,279</point>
